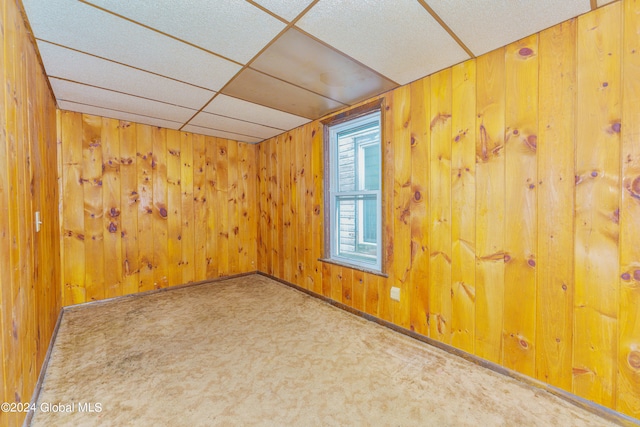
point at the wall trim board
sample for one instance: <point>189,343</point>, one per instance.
<point>43,370</point>
<point>602,411</point>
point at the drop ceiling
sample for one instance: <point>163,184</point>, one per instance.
<point>252,69</point>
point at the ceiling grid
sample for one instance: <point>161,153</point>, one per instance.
<point>251,69</point>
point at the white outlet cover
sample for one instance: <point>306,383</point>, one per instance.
<point>395,294</point>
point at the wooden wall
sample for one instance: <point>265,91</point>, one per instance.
<point>145,208</point>
<point>29,261</point>
<point>511,211</point>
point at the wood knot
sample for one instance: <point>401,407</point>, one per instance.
<point>112,227</point>
<point>507,258</point>
<point>114,213</point>
<point>626,276</point>
<point>532,142</point>
<point>594,174</point>
<point>636,275</point>
<point>524,344</point>
<point>531,263</point>
<point>525,52</point>
<point>635,188</point>
<point>163,212</point>
<point>616,127</point>
<point>564,286</point>
<point>516,132</point>
<point>417,196</point>
<point>634,360</point>
<point>313,133</point>
<point>413,141</point>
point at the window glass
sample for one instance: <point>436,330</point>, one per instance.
<point>355,164</point>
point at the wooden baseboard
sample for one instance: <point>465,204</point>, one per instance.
<point>602,411</point>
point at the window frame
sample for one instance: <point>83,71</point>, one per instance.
<point>330,252</point>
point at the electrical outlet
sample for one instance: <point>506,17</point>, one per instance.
<point>395,294</point>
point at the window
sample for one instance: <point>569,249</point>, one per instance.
<point>354,192</point>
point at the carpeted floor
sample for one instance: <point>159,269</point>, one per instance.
<point>251,351</point>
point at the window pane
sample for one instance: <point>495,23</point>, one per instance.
<point>357,227</point>
<point>371,167</point>
<point>369,223</point>
<point>349,142</point>
<point>346,164</point>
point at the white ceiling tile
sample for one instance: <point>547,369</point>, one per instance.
<point>119,115</point>
<point>603,2</point>
<point>85,28</point>
<point>82,68</point>
<point>234,29</point>
<point>74,92</point>
<point>228,124</point>
<point>485,25</point>
<point>287,9</point>
<point>399,38</point>
<point>221,134</point>
<point>243,110</point>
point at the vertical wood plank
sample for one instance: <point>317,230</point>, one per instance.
<point>420,146</point>
<point>597,205</point>
<point>285,208</point>
<point>346,277</point>
<point>490,204</point>
<point>111,199</point>
<point>174,202</point>
<point>272,207</point>
<point>298,213</point>
<point>73,220</point>
<point>5,241</point>
<point>129,206</point>
<point>212,207</point>
<point>144,170</point>
<point>309,260</point>
<point>385,309</point>
<point>628,380</point>
<point>440,208</point>
<point>262,206</point>
<point>244,234</point>
<point>372,294</point>
<point>232,203</point>
<point>160,210</point>
<point>199,208</point>
<point>463,194</point>
<point>222,200</point>
<point>402,203</point>
<point>253,217</point>
<point>358,290</point>
<point>556,172</point>
<point>521,120</point>
<point>92,183</point>
<point>187,232</point>
<point>278,228</point>
<point>317,219</point>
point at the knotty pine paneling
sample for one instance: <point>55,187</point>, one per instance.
<point>29,260</point>
<point>146,208</point>
<point>511,204</point>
